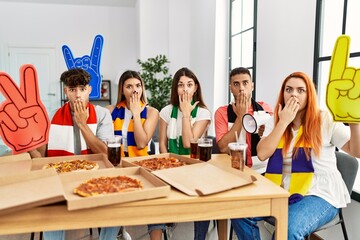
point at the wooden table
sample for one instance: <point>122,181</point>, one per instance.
<point>262,198</point>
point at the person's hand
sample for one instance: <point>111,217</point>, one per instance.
<point>288,113</point>
<point>343,89</point>
<point>91,64</point>
<point>24,122</point>
<point>185,104</point>
<point>242,104</point>
<point>134,104</point>
<point>81,113</point>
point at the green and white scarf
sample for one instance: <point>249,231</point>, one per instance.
<point>175,144</point>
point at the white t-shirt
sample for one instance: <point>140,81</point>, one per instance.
<point>165,114</point>
<point>327,182</point>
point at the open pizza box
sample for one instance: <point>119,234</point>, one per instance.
<point>100,159</point>
<point>28,190</point>
<point>204,178</point>
<point>152,187</point>
<point>17,157</point>
<point>128,161</point>
<point>15,164</point>
<point>15,167</point>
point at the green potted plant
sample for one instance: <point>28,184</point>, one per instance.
<point>157,79</point>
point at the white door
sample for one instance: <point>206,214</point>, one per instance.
<point>43,58</point>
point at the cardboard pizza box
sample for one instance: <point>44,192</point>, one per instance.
<point>15,164</point>
<point>14,167</point>
<point>152,187</point>
<point>17,157</point>
<point>204,179</point>
<point>101,159</point>
<point>28,190</point>
<point>128,161</point>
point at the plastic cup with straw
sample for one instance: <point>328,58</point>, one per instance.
<point>237,151</point>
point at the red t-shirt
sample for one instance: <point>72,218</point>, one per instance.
<point>222,124</point>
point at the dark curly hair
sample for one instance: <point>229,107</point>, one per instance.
<point>75,77</point>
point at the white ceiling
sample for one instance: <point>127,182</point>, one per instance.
<point>116,3</point>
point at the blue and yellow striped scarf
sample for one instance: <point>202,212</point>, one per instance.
<point>302,170</point>
<point>118,116</point>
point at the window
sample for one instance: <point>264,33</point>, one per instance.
<point>334,18</point>
<point>243,35</point>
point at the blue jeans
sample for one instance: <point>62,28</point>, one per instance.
<point>156,226</point>
<point>107,233</point>
<point>304,216</point>
<point>201,229</point>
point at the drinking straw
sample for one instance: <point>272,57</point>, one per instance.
<point>236,136</point>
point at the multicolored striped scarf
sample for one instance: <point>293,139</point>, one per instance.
<point>61,138</point>
<point>302,170</point>
<point>255,138</point>
<point>175,144</point>
<point>118,116</point>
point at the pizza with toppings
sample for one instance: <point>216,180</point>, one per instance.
<point>160,163</point>
<point>106,185</point>
<point>72,166</point>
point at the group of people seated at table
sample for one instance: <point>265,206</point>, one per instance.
<point>292,142</point>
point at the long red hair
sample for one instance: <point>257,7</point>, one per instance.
<point>311,121</point>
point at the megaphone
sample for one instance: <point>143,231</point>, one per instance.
<point>251,123</point>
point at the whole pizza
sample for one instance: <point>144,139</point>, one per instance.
<point>160,163</point>
<point>106,185</point>
<point>72,166</point>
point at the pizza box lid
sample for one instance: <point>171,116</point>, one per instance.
<point>15,164</point>
<point>28,190</point>
<point>128,161</point>
<point>204,178</point>
<point>14,167</point>
<point>152,188</point>
<point>16,157</point>
<point>99,158</point>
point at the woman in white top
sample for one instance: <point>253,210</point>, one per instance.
<point>186,117</point>
<point>301,152</point>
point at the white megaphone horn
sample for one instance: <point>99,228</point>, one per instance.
<point>251,123</point>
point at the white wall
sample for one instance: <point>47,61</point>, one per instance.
<point>73,25</point>
<point>153,28</point>
<point>285,43</point>
<point>209,55</point>
<point>192,36</point>
<point>188,33</point>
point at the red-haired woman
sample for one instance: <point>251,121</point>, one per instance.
<point>301,152</point>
